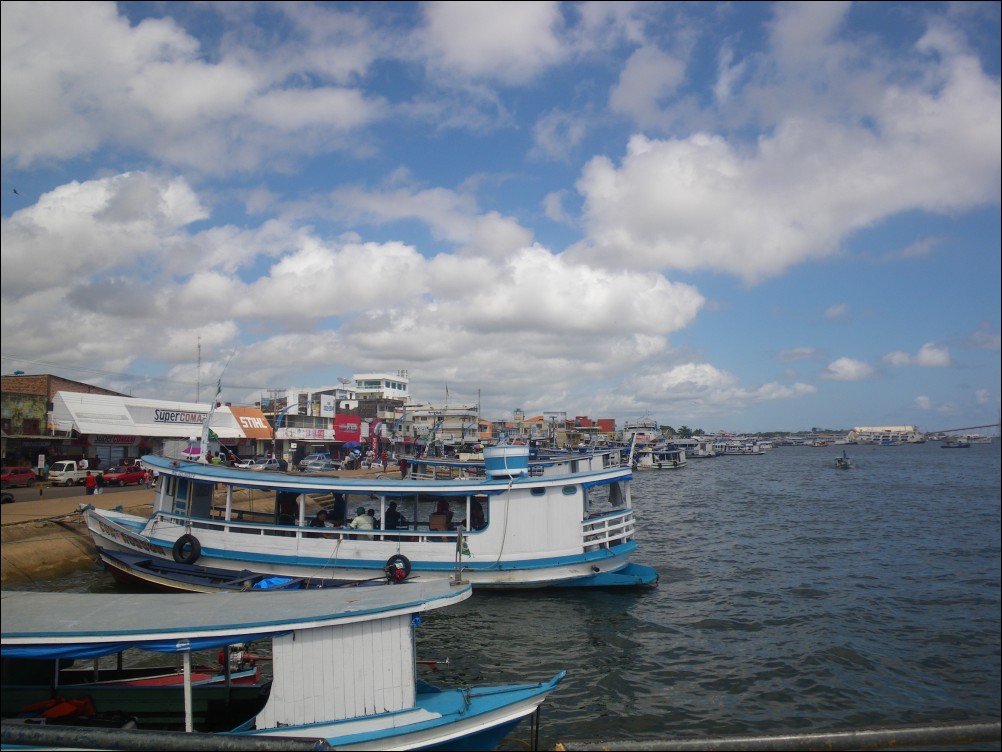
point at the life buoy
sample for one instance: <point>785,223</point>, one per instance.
<point>397,568</point>
<point>674,463</point>
<point>186,549</point>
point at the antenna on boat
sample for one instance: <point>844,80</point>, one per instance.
<point>206,431</point>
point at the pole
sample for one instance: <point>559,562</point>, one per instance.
<point>891,737</point>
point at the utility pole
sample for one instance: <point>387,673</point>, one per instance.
<point>198,373</point>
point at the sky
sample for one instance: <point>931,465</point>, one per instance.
<point>725,216</point>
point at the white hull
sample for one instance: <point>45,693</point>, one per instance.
<point>534,534</point>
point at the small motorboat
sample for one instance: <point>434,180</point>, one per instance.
<point>175,577</point>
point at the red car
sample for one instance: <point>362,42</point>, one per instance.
<point>123,475</point>
<point>17,476</point>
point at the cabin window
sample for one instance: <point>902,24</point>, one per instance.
<point>607,497</point>
<point>538,492</point>
<point>201,500</point>
<point>570,490</point>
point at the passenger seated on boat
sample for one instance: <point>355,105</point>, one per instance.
<point>441,519</point>
<point>362,520</point>
<point>320,520</point>
<point>394,519</point>
<point>477,520</point>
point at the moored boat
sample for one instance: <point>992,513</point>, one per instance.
<point>738,448</point>
<point>343,669</point>
<point>955,442</point>
<point>659,458</point>
<point>571,525</point>
<point>175,577</point>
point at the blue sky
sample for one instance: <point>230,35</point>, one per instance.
<point>728,216</point>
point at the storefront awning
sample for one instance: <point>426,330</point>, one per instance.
<point>99,414</point>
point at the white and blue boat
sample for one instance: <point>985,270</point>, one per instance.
<point>659,457</point>
<point>344,672</point>
<point>567,522</point>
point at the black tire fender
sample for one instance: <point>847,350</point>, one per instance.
<point>186,549</point>
<point>398,568</point>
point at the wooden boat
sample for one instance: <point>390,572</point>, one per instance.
<point>659,458</point>
<point>343,665</point>
<point>173,577</point>
<point>571,524</point>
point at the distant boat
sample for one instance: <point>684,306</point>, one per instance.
<point>955,442</point>
<point>344,672</point>
<point>659,458</point>
<point>696,448</point>
<point>738,448</point>
<point>843,462</point>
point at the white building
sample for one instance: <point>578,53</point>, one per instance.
<point>382,386</point>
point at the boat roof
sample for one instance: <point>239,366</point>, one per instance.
<point>50,624</point>
<point>386,485</point>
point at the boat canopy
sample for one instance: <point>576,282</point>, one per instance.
<point>46,625</point>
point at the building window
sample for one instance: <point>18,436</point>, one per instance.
<point>31,426</point>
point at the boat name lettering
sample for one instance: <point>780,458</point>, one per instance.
<point>177,416</point>
<point>130,540</point>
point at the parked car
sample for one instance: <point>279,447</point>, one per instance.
<point>17,476</point>
<point>315,457</point>
<point>321,466</point>
<point>268,464</point>
<point>123,475</point>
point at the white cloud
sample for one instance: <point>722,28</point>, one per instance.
<point>848,369</point>
<point>557,134</point>
<point>647,79</point>
<point>897,359</point>
<point>100,226</point>
<point>932,355</point>
<point>986,337</point>
<point>929,355</point>
<point>90,80</point>
<point>509,42</point>
<point>797,353</point>
<point>848,150</point>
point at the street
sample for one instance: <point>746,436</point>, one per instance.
<point>45,491</point>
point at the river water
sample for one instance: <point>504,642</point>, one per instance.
<point>793,597</point>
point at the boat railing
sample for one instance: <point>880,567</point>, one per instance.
<point>411,534</point>
<point>607,530</point>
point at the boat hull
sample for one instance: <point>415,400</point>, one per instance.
<point>532,536</point>
<point>608,567</point>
